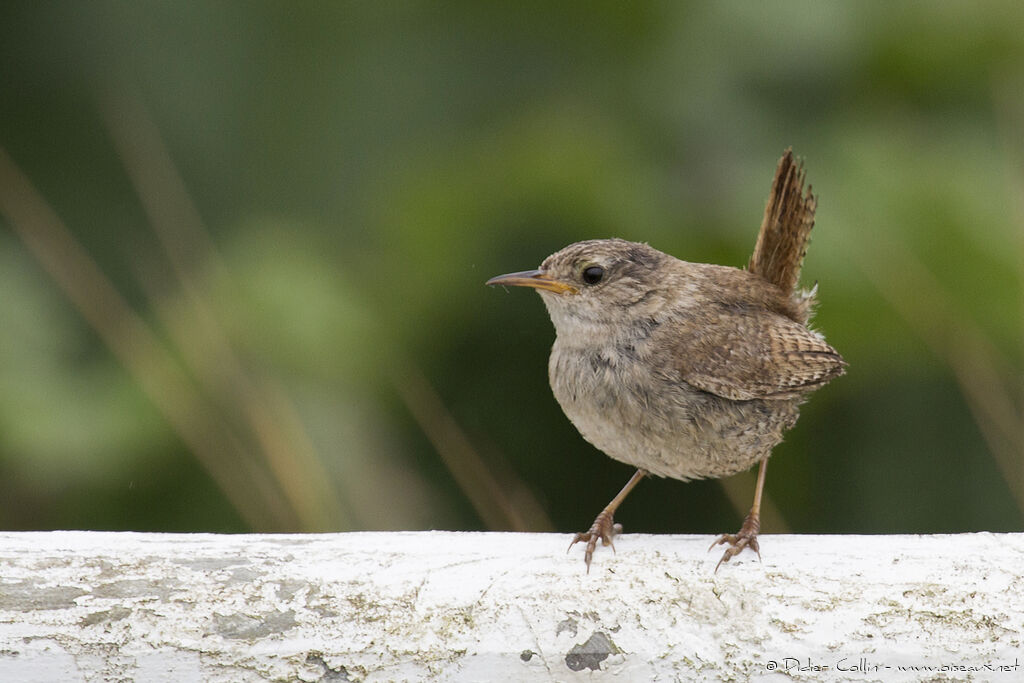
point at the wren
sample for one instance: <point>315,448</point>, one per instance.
<point>686,370</point>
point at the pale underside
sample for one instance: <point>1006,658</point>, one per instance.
<point>669,428</point>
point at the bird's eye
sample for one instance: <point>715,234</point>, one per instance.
<point>593,274</point>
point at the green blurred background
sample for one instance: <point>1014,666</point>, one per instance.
<point>243,247</point>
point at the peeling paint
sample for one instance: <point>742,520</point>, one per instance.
<point>590,654</point>
<point>86,606</point>
<point>135,588</point>
<point>112,614</point>
<point>31,595</point>
<point>248,626</point>
<point>568,624</point>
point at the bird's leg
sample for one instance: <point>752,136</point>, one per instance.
<point>747,535</point>
<point>604,526</point>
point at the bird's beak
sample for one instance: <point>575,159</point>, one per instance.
<point>537,279</point>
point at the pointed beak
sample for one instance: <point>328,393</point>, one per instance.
<point>533,278</point>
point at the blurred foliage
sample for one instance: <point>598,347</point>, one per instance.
<point>351,173</point>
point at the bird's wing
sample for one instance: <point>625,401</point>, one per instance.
<point>746,354</point>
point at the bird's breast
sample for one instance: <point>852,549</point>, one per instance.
<point>624,402</point>
<point>608,392</point>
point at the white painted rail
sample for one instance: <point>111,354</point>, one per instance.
<point>92,606</point>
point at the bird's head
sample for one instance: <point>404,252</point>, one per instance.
<point>596,282</point>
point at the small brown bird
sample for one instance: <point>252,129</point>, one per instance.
<point>686,370</point>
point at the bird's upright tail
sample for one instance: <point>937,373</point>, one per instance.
<point>786,228</point>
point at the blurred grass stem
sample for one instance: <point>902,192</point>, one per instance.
<point>977,365</point>
<point>138,348</point>
<point>504,505</point>
<point>266,414</point>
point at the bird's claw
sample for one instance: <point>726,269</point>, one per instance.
<point>745,538</point>
<point>603,528</point>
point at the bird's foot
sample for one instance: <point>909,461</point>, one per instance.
<point>745,538</point>
<point>603,528</point>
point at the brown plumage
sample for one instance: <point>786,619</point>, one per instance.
<point>786,227</point>
<point>685,370</point>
